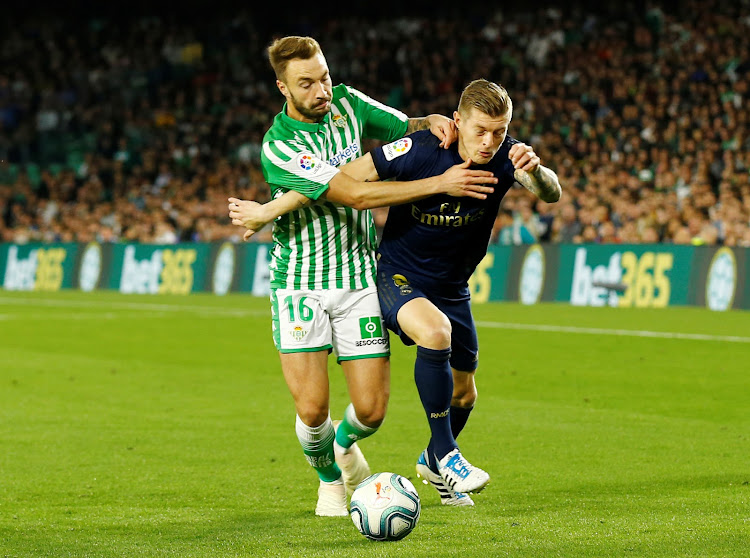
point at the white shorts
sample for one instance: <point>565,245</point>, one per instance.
<point>349,322</point>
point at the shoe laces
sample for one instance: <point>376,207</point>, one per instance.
<point>459,465</point>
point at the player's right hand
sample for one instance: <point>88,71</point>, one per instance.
<point>461,181</point>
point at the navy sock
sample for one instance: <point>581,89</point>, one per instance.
<point>459,416</point>
<point>432,374</point>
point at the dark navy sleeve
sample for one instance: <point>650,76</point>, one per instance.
<point>404,158</point>
<point>503,165</point>
<point>509,142</point>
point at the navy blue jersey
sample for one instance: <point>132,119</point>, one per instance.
<point>441,239</point>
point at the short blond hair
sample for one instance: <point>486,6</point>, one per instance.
<point>486,96</point>
<point>285,49</point>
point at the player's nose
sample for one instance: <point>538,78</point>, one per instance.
<point>321,92</point>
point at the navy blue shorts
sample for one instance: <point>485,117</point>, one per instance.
<point>396,288</point>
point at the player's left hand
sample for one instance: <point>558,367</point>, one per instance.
<point>248,214</point>
<point>523,157</point>
<point>443,128</point>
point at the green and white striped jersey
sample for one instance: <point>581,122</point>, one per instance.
<point>324,245</point>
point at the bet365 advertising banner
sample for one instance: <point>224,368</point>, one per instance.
<point>639,275</point>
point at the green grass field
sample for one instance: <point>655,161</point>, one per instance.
<point>141,426</point>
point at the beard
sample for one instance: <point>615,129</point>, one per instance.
<point>315,113</point>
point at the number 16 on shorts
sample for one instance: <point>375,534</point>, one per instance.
<point>347,321</point>
<point>299,322</point>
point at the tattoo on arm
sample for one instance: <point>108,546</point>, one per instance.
<point>543,183</point>
<point>416,124</point>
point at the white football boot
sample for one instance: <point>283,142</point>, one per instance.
<point>461,475</point>
<point>353,465</point>
<point>331,499</point>
<point>448,496</point>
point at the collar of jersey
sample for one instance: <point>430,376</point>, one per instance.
<point>306,126</point>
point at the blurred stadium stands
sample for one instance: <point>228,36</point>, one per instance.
<point>136,125</point>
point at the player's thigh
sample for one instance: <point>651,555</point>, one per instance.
<point>425,323</point>
<point>357,325</point>
<point>395,291</point>
<point>306,376</point>
<point>368,381</point>
<point>300,321</point>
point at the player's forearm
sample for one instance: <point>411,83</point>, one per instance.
<point>543,182</point>
<point>366,195</point>
<point>416,124</point>
<point>282,205</point>
<point>357,186</point>
<point>362,168</point>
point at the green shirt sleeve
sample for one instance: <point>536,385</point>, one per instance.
<point>289,166</point>
<point>379,121</point>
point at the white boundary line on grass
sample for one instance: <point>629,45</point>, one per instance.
<point>618,332</point>
<point>214,310</point>
<point>151,306</point>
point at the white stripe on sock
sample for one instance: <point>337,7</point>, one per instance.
<point>314,437</point>
<point>351,416</point>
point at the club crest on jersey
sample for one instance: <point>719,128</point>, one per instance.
<point>397,148</point>
<point>402,283</point>
<point>339,120</point>
<point>298,333</point>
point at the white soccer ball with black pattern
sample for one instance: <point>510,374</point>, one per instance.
<point>385,507</point>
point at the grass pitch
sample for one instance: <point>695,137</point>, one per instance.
<point>161,426</point>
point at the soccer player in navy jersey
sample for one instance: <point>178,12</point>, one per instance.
<point>323,262</point>
<point>428,251</point>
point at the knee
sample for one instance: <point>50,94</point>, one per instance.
<point>311,414</point>
<point>372,412</point>
<point>436,335</point>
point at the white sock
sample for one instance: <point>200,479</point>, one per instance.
<point>313,437</point>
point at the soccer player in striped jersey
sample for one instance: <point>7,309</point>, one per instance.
<point>428,251</point>
<point>323,293</point>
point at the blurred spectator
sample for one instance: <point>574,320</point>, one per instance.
<point>512,229</point>
<point>138,127</point>
<point>608,234</point>
<point>682,236</point>
<point>566,227</point>
<point>524,218</point>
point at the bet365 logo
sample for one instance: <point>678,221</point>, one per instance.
<point>370,327</point>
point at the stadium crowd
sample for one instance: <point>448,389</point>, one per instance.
<point>139,129</point>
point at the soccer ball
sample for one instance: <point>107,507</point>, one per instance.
<point>385,507</point>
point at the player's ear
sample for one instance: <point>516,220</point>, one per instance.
<point>282,87</point>
<point>457,119</point>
